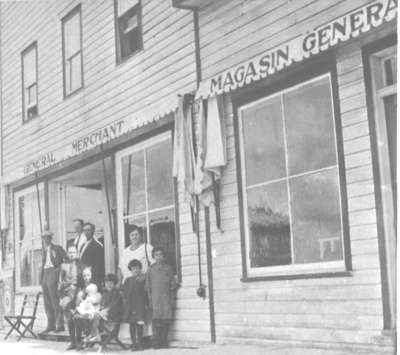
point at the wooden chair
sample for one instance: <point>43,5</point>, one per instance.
<point>22,320</point>
<point>109,332</point>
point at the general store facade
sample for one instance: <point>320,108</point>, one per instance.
<point>304,251</point>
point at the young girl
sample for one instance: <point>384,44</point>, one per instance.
<point>135,303</point>
<point>160,286</point>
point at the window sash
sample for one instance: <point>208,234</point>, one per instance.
<point>32,239</point>
<point>292,268</point>
<point>124,5</point>
<point>72,49</point>
<point>147,213</point>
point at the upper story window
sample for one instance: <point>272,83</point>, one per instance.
<point>128,28</point>
<point>290,181</point>
<point>29,83</point>
<point>72,51</point>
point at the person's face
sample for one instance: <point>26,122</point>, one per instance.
<point>108,285</point>
<point>135,237</point>
<point>135,271</point>
<point>72,254</point>
<point>159,256</point>
<point>87,275</point>
<point>78,227</point>
<point>46,240</point>
<point>88,231</point>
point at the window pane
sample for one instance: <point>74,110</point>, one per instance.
<point>133,192</point>
<point>162,233</point>
<point>25,265</point>
<point>72,33</point>
<point>36,266</point>
<point>159,175</point>
<point>310,127</point>
<point>76,72</point>
<point>130,222</point>
<point>29,233</point>
<point>269,225</point>
<point>31,95</point>
<point>130,41</point>
<point>316,217</point>
<point>125,5</point>
<point>263,142</point>
<point>29,67</point>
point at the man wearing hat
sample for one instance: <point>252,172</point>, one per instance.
<point>52,258</point>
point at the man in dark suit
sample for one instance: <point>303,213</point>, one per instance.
<point>92,254</point>
<point>52,258</point>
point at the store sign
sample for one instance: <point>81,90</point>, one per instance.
<point>42,162</point>
<point>98,137</point>
<point>320,39</point>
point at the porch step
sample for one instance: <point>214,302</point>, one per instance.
<point>51,336</point>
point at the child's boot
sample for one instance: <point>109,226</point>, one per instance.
<point>164,336</point>
<point>139,339</point>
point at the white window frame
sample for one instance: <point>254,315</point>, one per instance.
<point>25,105</point>
<point>380,90</point>
<point>67,61</point>
<point>118,166</point>
<point>290,269</point>
<point>17,242</point>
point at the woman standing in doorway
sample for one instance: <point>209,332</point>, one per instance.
<point>136,250</point>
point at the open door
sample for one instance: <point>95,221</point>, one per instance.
<point>82,194</point>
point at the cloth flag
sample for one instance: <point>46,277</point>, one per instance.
<point>211,153</point>
<point>184,159</point>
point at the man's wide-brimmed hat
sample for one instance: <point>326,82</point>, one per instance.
<point>46,233</point>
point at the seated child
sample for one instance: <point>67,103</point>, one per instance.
<point>110,307</point>
<point>135,303</point>
<point>160,287</point>
<point>89,304</point>
<point>70,278</point>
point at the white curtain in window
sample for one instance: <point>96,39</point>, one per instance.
<point>125,5</point>
<point>29,68</point>
<point>72,36</point>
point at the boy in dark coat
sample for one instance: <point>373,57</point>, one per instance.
<point>135,303</point>
<point>160,287</point>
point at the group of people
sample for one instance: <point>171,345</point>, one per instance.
<point>75,288</point>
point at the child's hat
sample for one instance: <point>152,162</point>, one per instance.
<point>111,277</point>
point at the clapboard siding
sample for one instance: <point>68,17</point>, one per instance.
<point>111,92</point>
<point>329,310</point>
<point>285,22</point>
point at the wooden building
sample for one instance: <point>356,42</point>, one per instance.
<point>305,253</point>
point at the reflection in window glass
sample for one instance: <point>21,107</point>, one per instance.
<point>159,175</point>
<point>269,225</point>
<point>162,233</point>
<point>309,127</point>
<point>25,267</point>
<point>292,178</point>
<point>151,205</point>
<point>134,195</point>
<point>263,142</point>
<point>28,229</point>
<point>316,214</point>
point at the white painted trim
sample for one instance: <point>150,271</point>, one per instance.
<point>18,287</point>
<point>289,269</point>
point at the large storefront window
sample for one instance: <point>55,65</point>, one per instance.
<point>27,232</point>
<point>146,194</point>
<point>292,203</point>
